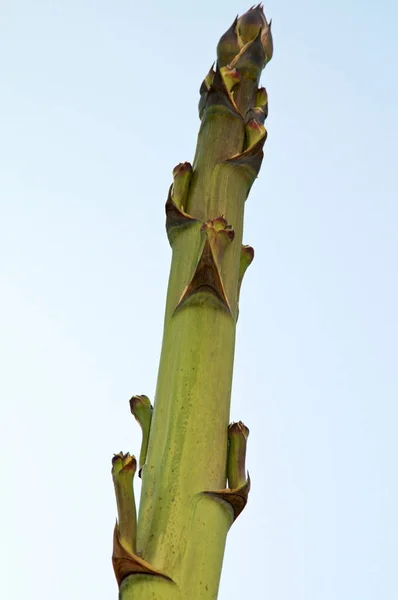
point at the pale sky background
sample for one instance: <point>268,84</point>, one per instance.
<point>98,103</point>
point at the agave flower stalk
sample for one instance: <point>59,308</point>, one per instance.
<point>188,450</point>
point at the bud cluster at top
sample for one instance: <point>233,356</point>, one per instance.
<point>243,32</point>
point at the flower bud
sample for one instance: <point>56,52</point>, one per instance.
<point>250,23</point>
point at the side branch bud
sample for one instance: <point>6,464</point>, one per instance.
<point>246,258</point>
<point>236,469</point>
<point>123,470</point>
<point>141,409</point>
<point>207,277</point>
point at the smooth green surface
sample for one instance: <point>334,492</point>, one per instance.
<point>148,588</point>
<point>187,451</point>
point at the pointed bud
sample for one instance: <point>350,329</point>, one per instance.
<point>267,42</point>
<point>262,102</point>
<point>208,80</point>
<point>250,23</point>
<point>141,408</point>
<point>219,234</point>
<point>251,59</point>
<point>123,464</point>
<point>228,46</point>
<point>261,97</point>
<point>236,466</point>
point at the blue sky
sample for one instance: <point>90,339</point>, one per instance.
<point>98,103</point>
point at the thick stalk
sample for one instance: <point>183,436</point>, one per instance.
<point>185,509</point>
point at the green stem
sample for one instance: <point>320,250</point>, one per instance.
<point>185,508</point>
